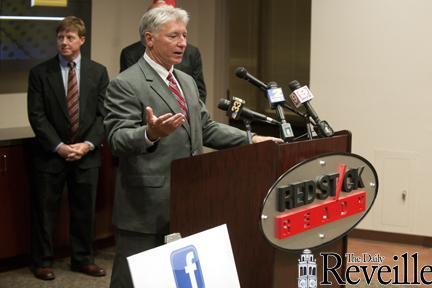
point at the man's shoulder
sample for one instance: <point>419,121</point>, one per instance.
<point>133,73</point>
<point>192,48</point>
<point>191,57</point>
<point>45,64</point>
<point>134,47</point>
<point>93,64</point>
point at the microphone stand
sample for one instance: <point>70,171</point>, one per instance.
<point>248,126</point>
<point>309,122</point>
<point>309,131</point>
<point>295,111</point>
<point>285,128</point>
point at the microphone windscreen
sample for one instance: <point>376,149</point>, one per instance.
<point>241,72</point>
<point>223,104</point>
<point>294,85</point>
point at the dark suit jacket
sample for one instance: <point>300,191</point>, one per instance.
<point>49,117</point>
<point>191,63</point>
<point>143,179</point>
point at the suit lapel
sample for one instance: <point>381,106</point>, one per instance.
<point>85,72</point>
<point>56,82</point>
<point>162,90</point>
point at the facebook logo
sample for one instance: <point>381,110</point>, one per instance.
<point>186,268</point>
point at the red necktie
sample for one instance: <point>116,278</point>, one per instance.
<point>72,100</point>
<point>176,91</point>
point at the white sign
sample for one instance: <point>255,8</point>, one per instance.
<point>201,260</point>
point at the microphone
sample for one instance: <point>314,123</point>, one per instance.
<point>235,109</point>
<point>242,73</point>
<point>275,97</point>
<point>302,95</point>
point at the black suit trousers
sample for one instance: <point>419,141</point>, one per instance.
<point>129,243</point>
<point>47,190</point>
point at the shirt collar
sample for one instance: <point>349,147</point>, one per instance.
<point>64,62</point>
<point>163,73</point>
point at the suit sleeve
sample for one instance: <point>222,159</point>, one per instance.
<point>125,120</point>
<point>96,132</point>
<point>41,125</point>
<point>218,135</point>
<point>198,74</point>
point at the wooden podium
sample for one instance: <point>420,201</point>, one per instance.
<point>229,187</point>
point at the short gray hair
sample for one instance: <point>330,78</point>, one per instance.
<point>154,18</point>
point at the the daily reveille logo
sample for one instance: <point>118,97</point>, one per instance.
<point>318,201</point>
<point>186,268</point>
<point>366,268</point>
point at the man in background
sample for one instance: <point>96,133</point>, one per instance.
<point>65,110</point>
<point>191,63</point>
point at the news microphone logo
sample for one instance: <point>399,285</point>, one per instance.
<point>235,108</point>
<point>186,268</point>
<point>300,96</point>
<point>275,96</point>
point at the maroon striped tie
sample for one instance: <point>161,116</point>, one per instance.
<point>72,100</point>
<point>177,93</point>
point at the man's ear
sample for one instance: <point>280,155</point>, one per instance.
<point>148,38</point>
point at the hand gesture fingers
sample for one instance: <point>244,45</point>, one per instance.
<point>81,148</point>
<point>163,125</point>
<point>65,150</point>
<point>73,157</point>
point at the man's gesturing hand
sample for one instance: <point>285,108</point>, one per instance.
<point>163,125</point>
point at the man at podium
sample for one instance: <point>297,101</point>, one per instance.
<point>154,116</point>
